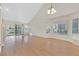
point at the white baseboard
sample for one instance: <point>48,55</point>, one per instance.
<point>61,37</point>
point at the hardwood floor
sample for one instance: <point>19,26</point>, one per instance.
<point>38,46</point>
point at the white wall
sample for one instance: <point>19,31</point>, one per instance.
<point>42,20</point>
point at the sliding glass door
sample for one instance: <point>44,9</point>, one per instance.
<point>14,29</point>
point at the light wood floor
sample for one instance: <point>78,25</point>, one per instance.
<point>39,46</point>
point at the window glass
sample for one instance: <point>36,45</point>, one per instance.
<point>16,29</point>
<point>75,25</point>
<point>60,27</point>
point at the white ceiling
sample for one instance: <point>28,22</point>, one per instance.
<point>22,12</point>
<point>64,8</point>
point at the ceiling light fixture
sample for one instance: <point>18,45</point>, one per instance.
<point>51,10</point>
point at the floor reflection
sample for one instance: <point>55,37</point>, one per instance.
<point>14,42</point>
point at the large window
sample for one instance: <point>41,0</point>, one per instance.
<point>75,25</point>
<point>60,27</point>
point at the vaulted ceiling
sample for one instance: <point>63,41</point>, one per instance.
<point>61,8</point>
<point>24,12</point>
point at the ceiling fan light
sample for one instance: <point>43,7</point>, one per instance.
<point>51,10</point>
<point>54,11</point>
